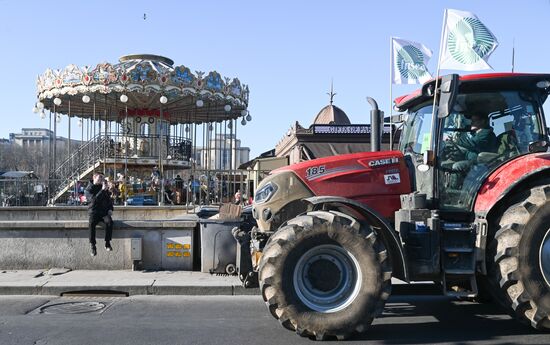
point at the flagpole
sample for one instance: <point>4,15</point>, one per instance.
<point>513,54</point>
<point>391,98</point>
<point>437,80</point>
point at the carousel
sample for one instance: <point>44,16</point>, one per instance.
<point>141,122</point>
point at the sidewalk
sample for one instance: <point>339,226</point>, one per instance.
<point>60,281</point>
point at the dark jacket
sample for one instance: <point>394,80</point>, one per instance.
<point>483,140</point>
<point>99,200</point>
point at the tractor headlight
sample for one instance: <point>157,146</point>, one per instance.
<point>265,193</point>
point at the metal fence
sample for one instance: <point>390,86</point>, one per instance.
<point>24,192</point>
<point>191,187</point>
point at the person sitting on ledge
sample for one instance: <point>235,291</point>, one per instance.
<point>100,209</point>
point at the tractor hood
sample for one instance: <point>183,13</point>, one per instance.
<point>373,178</point>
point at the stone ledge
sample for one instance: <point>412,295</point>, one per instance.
<point>83,224</point>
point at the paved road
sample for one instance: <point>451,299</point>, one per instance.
<point>242,320</point>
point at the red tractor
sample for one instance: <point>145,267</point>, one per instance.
<point>464,201</point>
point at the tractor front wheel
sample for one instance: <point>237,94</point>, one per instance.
<point>325,275</point>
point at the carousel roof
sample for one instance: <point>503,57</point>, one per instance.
<point>151,83</point>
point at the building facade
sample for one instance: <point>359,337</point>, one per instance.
<point>223,152</point>
<point>331,133</point>
<point>39,138</point>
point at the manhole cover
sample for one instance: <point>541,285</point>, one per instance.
<point>72,308</point>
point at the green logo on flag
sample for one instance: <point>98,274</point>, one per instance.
<point>470,41</point>
<point>410,63</point>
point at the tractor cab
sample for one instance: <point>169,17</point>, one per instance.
<point>490,119</point>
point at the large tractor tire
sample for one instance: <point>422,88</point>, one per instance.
<point>520,258</point>
<point>325,275</point>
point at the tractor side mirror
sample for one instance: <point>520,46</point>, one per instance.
<point>447,95</point>
<point>538,146</point>
<point>398,118</point>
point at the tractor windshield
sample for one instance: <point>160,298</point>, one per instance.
<point>417,131</point>
<point>485,130</point>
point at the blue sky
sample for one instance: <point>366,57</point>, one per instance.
<point>286,51</point>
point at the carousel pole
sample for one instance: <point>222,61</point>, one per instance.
<point>231,156</point>
<point>54,140</point>
<point>115,140</point>
<point>194,155</point>
<point>207,153</point>
<point>88,137</point>
<point>81,142</point>
<point>69,133</point>
<point>208,172</point>
<point>81,129</point>
<point>224,155</point>
<point>69,147</point>
<point>93,138</point>
<point>125,178</point>
<point>215,153</point>
<point>105,139</point>
<point>220,170</point>
<point>161,167</point>
<point>49,155</point>
<point>235,158</point>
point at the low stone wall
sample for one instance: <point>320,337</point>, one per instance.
<point>81,213</point>
<point>42,243</point>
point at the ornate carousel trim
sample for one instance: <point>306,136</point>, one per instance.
<point>144,74</point>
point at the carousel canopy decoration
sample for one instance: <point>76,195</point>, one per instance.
<point>147,83</point>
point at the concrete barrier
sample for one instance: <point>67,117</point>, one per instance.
<point>81,213</point>
<point>62,240</point>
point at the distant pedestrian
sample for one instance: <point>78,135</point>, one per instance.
<point>179,189</point>
<point>155,176</point>
<point>100,209</point>
<point>179,183</point>
<point>238,197</point>
<point>195,189</point>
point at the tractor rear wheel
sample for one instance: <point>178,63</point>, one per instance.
<point>520,258</point>
<point>325,275</point>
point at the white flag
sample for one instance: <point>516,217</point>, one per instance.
<point>467,43</point>
<point>409,60</point>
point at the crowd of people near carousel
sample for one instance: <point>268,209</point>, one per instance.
<point>177,191</point>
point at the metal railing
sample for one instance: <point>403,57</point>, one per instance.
<point>194,188</point>
<point>26,192</point>
<point>86,157</point>
<point>113,146</point>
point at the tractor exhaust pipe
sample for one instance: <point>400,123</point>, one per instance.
<point>375,125</point>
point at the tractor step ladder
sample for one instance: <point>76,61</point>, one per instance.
<point>458,259</point>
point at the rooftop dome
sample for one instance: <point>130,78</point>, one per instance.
<point>331,115</point>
